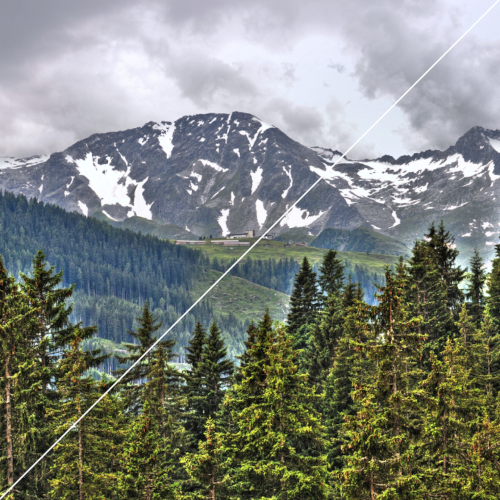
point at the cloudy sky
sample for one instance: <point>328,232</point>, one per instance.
<point>321,70</point>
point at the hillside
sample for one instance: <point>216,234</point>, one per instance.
<point>361,239</point>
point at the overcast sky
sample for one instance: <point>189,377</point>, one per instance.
<point>321,70</point>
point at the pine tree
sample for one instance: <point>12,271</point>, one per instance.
<point>428,299</point>
<point>451,419</point>
<point>194,384</point>
<point>325,335</point>
<point>274,418</point>
<point>331,275</point>
<point>475,289</point>
<point>206,467</point>
<point>135,380</point>
<point>149,458</point>
<point>48,333</point>
<point>349,364</point>
<point>490,338</point>
<point>85,462</point>
<point>303,304</point>
<point>12,349</point>
<point>51,328</point>
<point>380,435</point>
<point>442,244</point>
<point>216,371</point>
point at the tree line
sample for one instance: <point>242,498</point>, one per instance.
<point>397,400</point>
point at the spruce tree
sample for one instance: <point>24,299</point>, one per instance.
<point>442,244</point>
<point>451,419</point>
<point>135,380</point>
<point>194,384</point>
<point>274,418</point>
<point>12,351</point>
<point>349,364</point>
<point>475,288</point>
<point>428,299</point>
<point>380,435</point>
<point>493,299</point>
<point>51,328</point>
<point>303,304</point>
<point>331,275</point>
<point>206,467</point>
<point>85,462</point>
<point>215,370</point>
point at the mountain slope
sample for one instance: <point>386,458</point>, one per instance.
<point>219,173</point>
<point>361,239</point>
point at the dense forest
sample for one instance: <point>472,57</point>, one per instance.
<point>116,271</point>
<point>397,400</point>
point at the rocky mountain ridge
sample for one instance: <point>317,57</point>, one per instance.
<point>221,173</point>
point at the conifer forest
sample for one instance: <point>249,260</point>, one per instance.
<point>350,398</point>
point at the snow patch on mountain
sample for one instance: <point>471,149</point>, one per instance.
<point>495,144</point>
<point>222,221</point>
<point>256,178</point>
<point>141,208</point>
<point>165,138</point>
<point>289,174</point>
<point>111,186</point>
<point>109,216</point>
<point>261,213</point>
<point>397,221</point>
<point>213,165</point>
<point>299,218</point>
<point>9,162</point>
<point>83,208</point>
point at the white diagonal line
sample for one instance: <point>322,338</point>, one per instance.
<point>246,253</point>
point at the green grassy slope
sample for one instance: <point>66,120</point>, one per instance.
<point>246,300</point>
<point>276,250</point>
<point>361,239</point>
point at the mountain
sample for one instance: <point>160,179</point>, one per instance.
<point>361,239</point>
<point>219,173</point>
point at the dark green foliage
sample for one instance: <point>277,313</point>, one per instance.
<point>274,419</point>
<point>331,274</point>
<point>139,379</point>
<point>442,244</point>
<point>215,370</point>
<point>303,304</point>
<point>475,287</point>
<point>103,262</point>
<point>85,464</point>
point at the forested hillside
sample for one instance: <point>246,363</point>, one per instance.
<point>345,401</point>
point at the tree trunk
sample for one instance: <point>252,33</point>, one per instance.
<point>80,457</point>
<point>10,454</point>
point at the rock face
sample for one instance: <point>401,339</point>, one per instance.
<point>218,173</point>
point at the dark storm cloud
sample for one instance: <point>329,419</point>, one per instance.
<point>73,68</point>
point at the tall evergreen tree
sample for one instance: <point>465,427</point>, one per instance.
<point>451,418</point>
<point>195,423</point>
<point>475,287</point>
<point>303,304</point>
<point>135,380</point>
<point>442,243</point>
<point>156,438</point>
<point>85,462</point>
<point>331,274</point>
<point>428,299</point>
<point>380,434</point>
<point>349,364</point>
<point>216,371</point>
<point>274,419</point>
<point>12,349</point>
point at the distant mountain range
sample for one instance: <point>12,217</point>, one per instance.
<point>219,173</point>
